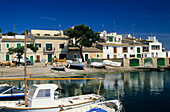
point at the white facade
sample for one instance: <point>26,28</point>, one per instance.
<point>117,49</point>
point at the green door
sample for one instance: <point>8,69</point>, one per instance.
<point>48,47</point>
<point>49,57</point>
<point>160,62</point>
<point>86,57</point>
<point>138,50</point>
<point>138,55</point>
<point>31,58</point>
<point>7,57</point>
<point>148,62</point>
<point>134,62</point>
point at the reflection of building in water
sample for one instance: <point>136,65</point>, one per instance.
<point>157,81</point>
<point>142,79</point>
<point>114,83</point>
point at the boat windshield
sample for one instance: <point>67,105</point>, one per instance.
<point>43,93</point>
<point>32,91</point>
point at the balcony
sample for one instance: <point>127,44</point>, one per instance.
<point>49,50</point>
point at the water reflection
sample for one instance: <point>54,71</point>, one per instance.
<point>127,84</point>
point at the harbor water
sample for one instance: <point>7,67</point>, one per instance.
<point>139,91</point>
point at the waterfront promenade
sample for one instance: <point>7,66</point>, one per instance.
<point>42,71</point>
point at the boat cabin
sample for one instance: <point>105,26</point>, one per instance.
<point>41,95</point>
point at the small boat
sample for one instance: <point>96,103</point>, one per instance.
<point>116,64</point>
<point>59,67</point>
<point>107,62</point>
<point>59,64</point>
<point>105,106</point>
<point>76,65</point>
<point>41,98</point>
<point>8,92</point>
<point>98,64</point>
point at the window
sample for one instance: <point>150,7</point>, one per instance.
<point>7,57</point>
<point>18,45</point>
<point>32,91</point>
<point>110,39</point>
<point>97,55</point>
<point>145,49</point>
<point>61,46</point>
<point>138,50</point>
<point>125,49</point>
<point>132,56</point>
<point>115,39</point>
<point>131,48</point>
<point>119,39</point>
<point>48,47</point>
<point>107,47</point>
<point>7,45</point>
<point>155,47</point>
<point>75,55</point>
<point>38,45</point>
<point>46,34</point>
<point>43,93</point>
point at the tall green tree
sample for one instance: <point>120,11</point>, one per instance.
<point>10,33</point>
<point>19,51</point>
<point>34,48</point>
<point>84,36</point>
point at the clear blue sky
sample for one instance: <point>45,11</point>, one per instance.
<point>149,16</point>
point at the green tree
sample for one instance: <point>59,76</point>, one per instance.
<point>84,36</point>
<point>19,51</point>
<point>10,33</point>
<point>0,30</point>
<point>34,48</point>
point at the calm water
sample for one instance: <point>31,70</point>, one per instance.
<point>139,91</point>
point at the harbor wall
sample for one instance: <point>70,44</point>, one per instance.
<point>141,62</point>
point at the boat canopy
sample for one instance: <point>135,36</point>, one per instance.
<point>41,95</point>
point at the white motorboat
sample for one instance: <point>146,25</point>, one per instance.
<point>98,64</point>
<point>41,98</point>
<point>107,62</point>
<point>105,106</point>
<point>76,65</point>
<point>116,64</point>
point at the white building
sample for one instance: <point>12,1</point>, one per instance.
<point>117,47</point>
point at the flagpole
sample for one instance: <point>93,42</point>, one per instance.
<point>25,68</point>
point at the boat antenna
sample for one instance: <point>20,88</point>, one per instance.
<point>25,78</point>
<point>114,25</point>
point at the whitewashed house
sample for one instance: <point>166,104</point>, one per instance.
<point>117,47</point>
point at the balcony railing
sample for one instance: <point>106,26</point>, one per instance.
<point>48,50</point>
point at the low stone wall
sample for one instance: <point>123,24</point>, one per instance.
<point>126,62</point>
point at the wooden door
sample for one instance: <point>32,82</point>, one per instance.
<point>38,58</point>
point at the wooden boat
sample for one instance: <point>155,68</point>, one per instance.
<point>58,67</point>
<point>41,98</point>
<point>116,64</point>
<point>98,64</point>
<point>105,106</point>
<point>8,92</point>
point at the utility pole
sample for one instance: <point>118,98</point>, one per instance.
<point>133,29</point>
<point>14,27</point>
<point>114,25</point>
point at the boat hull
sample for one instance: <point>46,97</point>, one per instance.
<point>48,109</point>
<point>77,66</point>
